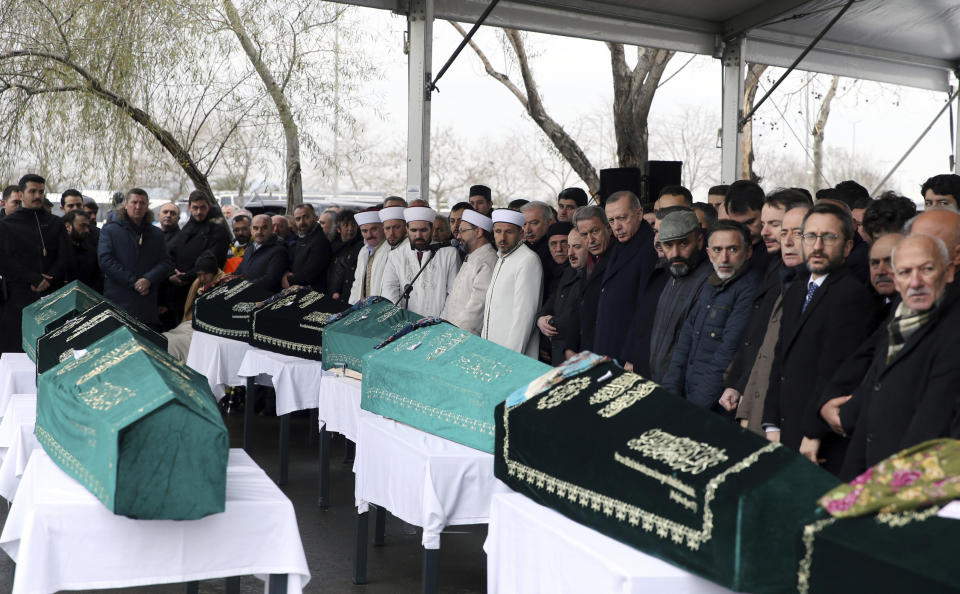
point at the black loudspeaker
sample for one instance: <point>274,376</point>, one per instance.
<point>619,179</point>
<point>657,175</point>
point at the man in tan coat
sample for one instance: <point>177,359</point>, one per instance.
<point>464,307</point>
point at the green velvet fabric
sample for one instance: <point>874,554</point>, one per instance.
<point>348,339</point>
<point>137,428</point>
<point>292,323</point>
<point>445,381</point>
<point>903,552</point>
<point>225,309</point>
<point>618,453</point>
<point>86,328</point>
<point>54,309</point>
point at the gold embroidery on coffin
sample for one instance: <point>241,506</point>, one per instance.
<point>287,344</point>
<point>623,511</point>
<point>679,453</point>
<point>660,477</point>
<point>810,532</point>
<point>317,317</point>
<point>310,299</point>
<point>898,519</point>
<point>432,411</point>
<point>211,329</point>
<point>565,391</point>
<point>70,463</point>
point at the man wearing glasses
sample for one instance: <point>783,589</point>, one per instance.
<point>827,314</point>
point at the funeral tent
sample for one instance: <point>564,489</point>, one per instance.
<point>901,42</point>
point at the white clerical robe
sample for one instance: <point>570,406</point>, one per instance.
<point>512,301</point>
<point>464,307</point>
<point>430,290</point>
<point>376,269</point>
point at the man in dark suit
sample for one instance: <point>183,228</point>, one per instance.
<point>310,257</point>
<point>909,393</point>
<point>632,263</point>
<point>591,223</point>
<point>265,260</point>
<point>559,318</point>
<point>827,314</point>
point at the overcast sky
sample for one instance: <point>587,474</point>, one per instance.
<point>876,123</point>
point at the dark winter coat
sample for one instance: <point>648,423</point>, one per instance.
<point>127,253</point>
<point>266,265</point>
<point>310,259</point>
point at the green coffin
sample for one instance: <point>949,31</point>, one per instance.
<point>225,309</point>
<point>81,331</point>
<point>350,335</point>
<point>137,428</point>
<point>445,381</point>
<point>912,551</point>
<point>292,323</point>
<point>618,453</point>
<point>54,309</point>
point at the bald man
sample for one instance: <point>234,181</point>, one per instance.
<point>265,260</point>
<point>909,394</point>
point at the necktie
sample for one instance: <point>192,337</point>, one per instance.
<point>811,289</point>
<point>420,258</point>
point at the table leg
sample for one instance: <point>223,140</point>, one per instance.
<point>360,553</point>
<point>431,558</point>
<point>193,587</point>
<point>324,500</point>
<point>284,448</point>
<point>278,583</point>
<point>232,585</point>
<point>248,417</point>
<point>379,526</point>
<point>314,426</point>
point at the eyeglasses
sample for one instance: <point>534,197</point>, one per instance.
<point>828,238</point>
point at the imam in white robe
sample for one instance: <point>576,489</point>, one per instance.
<point>464,307</point>
<point>380,256</point>
<point>512,301</point>
<point>430,290</point>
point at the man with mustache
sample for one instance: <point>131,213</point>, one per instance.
<point>712,331</point>
<point>513,297</point>
<point>591,222</point>
<point>909,394</point>
<point>827,314</point>
<point>682,242</point>
<point>750,371</point>
<point>881,267</point>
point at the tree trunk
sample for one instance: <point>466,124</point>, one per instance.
<point>633,92</point>
<point>294,181</point>
<point>818,129</point>
<point>751,83</point>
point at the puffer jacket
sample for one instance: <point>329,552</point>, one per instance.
<point>710,337</point>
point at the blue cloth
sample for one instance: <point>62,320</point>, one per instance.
<point>811,289</point>
<point>710,337</point>
<point>128,252</point>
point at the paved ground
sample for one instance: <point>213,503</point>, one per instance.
<point>328,536</point>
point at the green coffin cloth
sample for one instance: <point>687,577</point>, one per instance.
<point>445,381</point>
<point>137,428</point>
<point>83,330</point>
<point>618,453</point>
<point>911,551</point>
<point>349,338</point>
<point>225,309</point>
<point>54,309</point>
<point>292,323</point>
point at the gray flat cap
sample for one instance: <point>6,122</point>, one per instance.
<point>678,224</point>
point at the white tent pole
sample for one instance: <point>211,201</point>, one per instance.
<point>731,110</point>
<point>956,132</point>
<point>419,77</point>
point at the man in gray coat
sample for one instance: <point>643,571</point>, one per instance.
<point>682,240</point>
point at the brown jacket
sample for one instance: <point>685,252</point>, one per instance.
<point>751,403</point>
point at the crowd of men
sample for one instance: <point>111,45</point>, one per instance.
<point>822,322</point>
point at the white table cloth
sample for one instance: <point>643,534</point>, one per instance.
<point>339,405</point>
<point>17,441</point>
<point>18,375</point>
<point>63,538</point>
<point>531,548</point>
<point>295,380</point>
<point>219,359</point>
<point>422,479</point>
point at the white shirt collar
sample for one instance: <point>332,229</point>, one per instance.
<point>818,281</point>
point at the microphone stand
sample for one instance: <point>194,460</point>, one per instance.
<point>405,298</point>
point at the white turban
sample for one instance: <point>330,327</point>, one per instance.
<point>420,213</point>
<point>367,217</point>
<point>505,215</point>
<point>478,220</point>
<point>389,214</point>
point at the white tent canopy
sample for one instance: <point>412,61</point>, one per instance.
<point>904,42</point>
